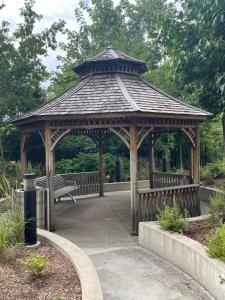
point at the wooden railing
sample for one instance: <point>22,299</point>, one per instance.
<point>87,182</point>
<point>161,180</point>
<point>186,197</point>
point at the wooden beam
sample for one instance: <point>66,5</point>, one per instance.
<point>101,167</point>
<point>134,179</point>
<point>191,163</point>
<point>23,153</point>
<point>49,163</point>
<point>151,161</point>
<point>196,158</point>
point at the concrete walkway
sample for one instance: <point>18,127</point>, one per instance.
<point>101,227</point>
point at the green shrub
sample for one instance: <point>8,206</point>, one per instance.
<point>11,231</point>
<point>6,234</point>
<point>34,263</point>
<point>217,211</point>
<point>171,218</point>
<point>87,162</point>
<point>206,175</point>
<point>216,245</point>
<point>11,221</point>
<point>213,170</point>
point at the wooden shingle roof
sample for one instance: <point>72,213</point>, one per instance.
<point>113,92</point>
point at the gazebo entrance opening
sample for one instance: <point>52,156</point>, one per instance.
<point>111,98</point>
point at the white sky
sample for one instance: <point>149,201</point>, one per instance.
<point>52,11</point>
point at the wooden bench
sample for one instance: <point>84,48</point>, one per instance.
<point>60,187</point>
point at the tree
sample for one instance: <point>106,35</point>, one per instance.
<point>21,67</point>
<point>193,37</point>
<point>123,26</point>
<point>22,70</point>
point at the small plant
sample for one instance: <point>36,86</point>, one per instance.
<point>216,244</point>
<point>34,263</point>
<point>171,218</point>
<point>59,296</point>
<point>217,212</point>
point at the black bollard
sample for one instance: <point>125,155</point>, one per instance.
<point>30,230</point>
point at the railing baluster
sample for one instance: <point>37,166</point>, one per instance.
<point>185,196</point>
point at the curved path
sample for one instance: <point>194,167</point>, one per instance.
<point>100,226</point>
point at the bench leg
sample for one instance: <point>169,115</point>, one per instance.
<point>72,197</point>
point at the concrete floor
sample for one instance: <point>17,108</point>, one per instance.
<point>101,227</point>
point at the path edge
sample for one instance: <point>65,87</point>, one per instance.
<point>89,280</point>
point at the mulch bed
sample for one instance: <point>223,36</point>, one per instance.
<point>58,282</point>
<point>199,231</point>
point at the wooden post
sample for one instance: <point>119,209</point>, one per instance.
<point>134,179</point>
<point>49,163</point>
<point>53,157</point>
<point>196,158</point>
<point>151,162</point>
<point>101,166</point>
<point>23,154</point>
<point>191,165</point>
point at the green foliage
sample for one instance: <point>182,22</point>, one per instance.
<point>5,187</point>
<point>197,52</point>
<point>59,296</point>
<point>11,230</point>
<point>34,263</point>
<point>217,211</point>
<point>6,233</point>
<point>85,162</point>
<point>171,218</point>
<point>211,141</point>
<point>206,175</point>
<point>216,244</point>
<point>127,26</point>
<point>213,170</point>
<point>82,163</point>
<point>71,145</point>
<point>21,66</point>
<point>11,221</point>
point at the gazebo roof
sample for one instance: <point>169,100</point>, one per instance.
<point>110,83</point>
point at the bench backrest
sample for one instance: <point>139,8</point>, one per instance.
<point>41,182</point>
<point>59,182</point>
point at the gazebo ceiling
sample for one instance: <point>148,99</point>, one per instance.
<point>110,83</point>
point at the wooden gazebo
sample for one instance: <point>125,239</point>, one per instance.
<point>111,98</point>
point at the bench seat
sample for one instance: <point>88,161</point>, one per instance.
<point>60,187</point>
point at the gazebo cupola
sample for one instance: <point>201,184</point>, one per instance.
<point>111,98</point>
<point>111,60</point>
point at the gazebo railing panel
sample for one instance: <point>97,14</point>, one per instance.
<point>161,179</point>
<point>186,197</point>
<point>87,182</point>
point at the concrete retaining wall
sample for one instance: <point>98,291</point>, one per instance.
<point>124,186</point>
<point>185,253</point>
<point>90,284</point>
<point>206,192</point>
